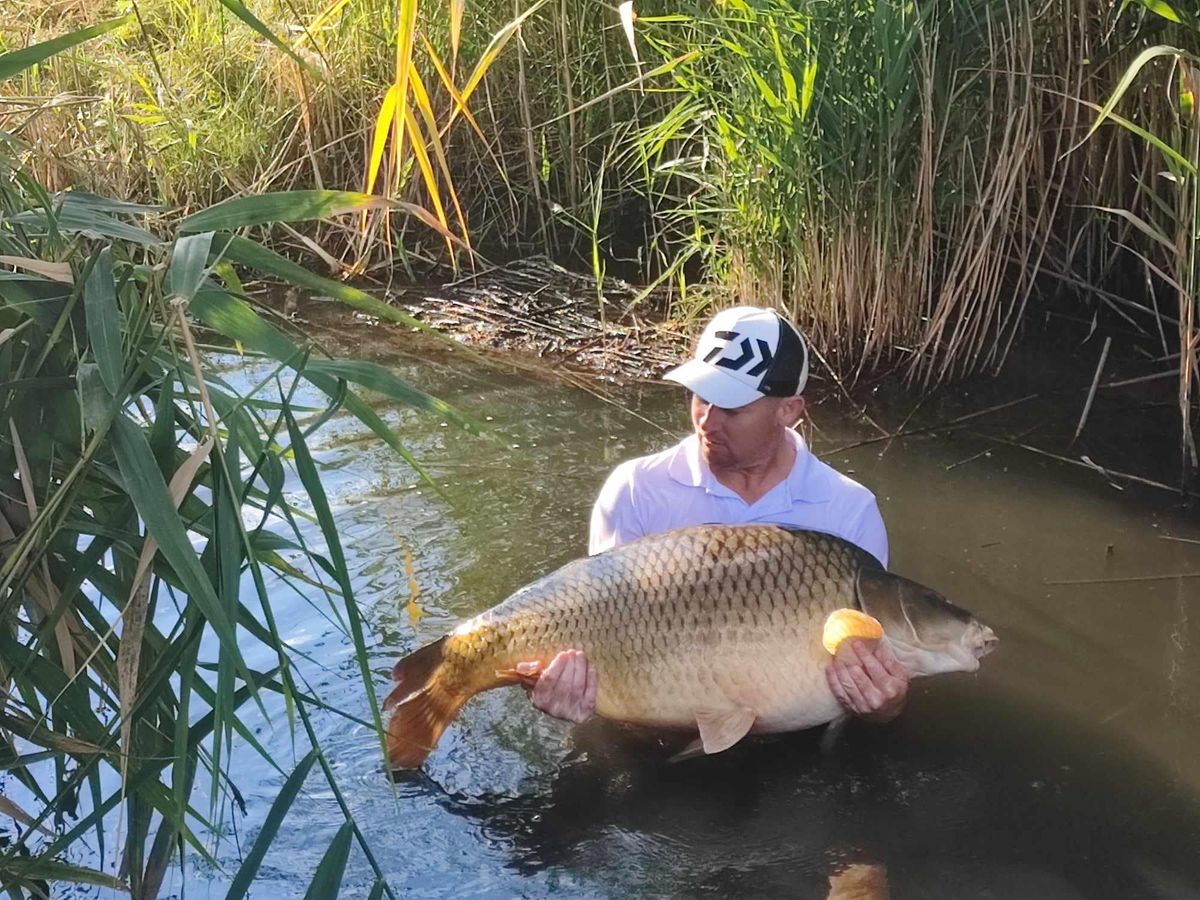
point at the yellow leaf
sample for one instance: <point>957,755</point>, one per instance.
<point>457,7</point>
<point>383,124</point>
<point>460,105</point>
<point>320,21</point>
<point>422,158</point>
<point>421,101</point>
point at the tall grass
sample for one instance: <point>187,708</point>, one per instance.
<point>1166,213</point>
<point>907,178</point>
<point>139,493</point>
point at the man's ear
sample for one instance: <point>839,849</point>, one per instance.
<point>791,410</point>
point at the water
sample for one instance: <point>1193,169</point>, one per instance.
<point>1066,768</point>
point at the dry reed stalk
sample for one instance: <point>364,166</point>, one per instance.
<point>533,175</point>
<point>565,79</point>
<point>1087,405</point>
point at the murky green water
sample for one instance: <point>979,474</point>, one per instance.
<point>1067,768</point>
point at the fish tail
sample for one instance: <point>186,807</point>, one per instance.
<point>425,700</point>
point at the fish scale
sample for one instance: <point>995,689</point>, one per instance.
<point>699,625</point>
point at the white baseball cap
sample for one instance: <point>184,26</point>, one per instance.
<point>745,353</point>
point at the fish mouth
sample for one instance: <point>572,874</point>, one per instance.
<point>983,641</point>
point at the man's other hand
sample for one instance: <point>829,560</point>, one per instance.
<point>868,680</point>
<point>565,689</point>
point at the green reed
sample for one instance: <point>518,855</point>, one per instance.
<point>139,492</point>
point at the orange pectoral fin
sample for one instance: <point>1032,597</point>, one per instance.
<point>849,623</point>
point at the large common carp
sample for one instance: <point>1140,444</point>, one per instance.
<point>716,629</point>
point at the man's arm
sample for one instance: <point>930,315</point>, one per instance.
<point>870,533</point>
<point>614,520</point>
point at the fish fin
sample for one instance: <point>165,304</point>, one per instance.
<point>695,748</point>
<point>423,704</point>
<point>844,624</point>
<point>721,729</point>
<point>413,672</point>
<point>833,732</point>
<point>515,676</point>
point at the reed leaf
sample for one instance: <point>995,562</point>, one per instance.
<point>16,61</point>
<point>60,272</point>
<point>241,11</point>
<point>189,264</point>
<point>490,54</point>
<point>103,317</point>
<point>327,881</point>
<point>270,827</point>
<point>282,206</point>
<point>1127,79</point>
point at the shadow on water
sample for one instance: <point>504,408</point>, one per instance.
<point>967,796</point>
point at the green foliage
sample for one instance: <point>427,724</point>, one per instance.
<point>129,480</point>
<point>1168,218</point>
<point>896,174</point>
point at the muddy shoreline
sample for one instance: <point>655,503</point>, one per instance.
<point>544,322</point>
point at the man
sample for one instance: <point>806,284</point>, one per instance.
<point>744,463</point>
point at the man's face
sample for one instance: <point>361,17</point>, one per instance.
<point>735,437</point>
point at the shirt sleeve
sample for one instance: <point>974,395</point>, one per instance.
<point>614,520</point>
<point>871,534</point>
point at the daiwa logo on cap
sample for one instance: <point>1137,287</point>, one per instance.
<point>760,362</point>
<point>745,353</point>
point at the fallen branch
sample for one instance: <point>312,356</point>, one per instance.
<point>1088,464</point>
<point>1125,580</point>
<point>940,426</point>
<point>1182,540</point>
<point>1087,406</point>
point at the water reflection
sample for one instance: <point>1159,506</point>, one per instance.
<point>1067,768</point>
<point>967,796</point>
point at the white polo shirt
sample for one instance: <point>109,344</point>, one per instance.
<point>675,489</point>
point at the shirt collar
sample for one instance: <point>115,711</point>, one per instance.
<point>803,483</point>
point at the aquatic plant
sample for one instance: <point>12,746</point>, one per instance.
<point>1167,212</point>
<point>143,520</point>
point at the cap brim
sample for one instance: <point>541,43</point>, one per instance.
<point>712,385</point>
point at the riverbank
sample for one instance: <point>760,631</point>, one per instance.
<point>785,151</point>
<point>1116,425</point>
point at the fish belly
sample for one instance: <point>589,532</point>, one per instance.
<point>700,620</point>
<point>787,691</point>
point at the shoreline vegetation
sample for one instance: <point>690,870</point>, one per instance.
<point>921,186</point>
